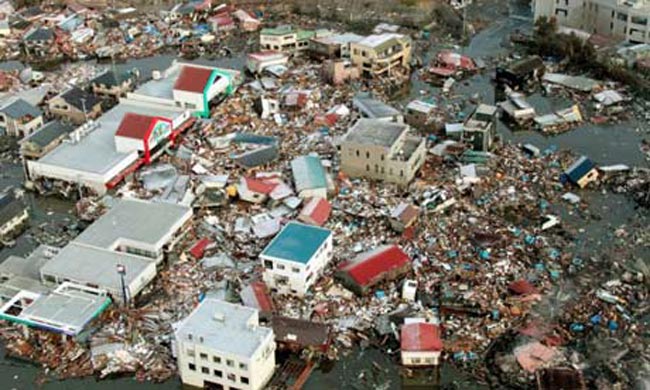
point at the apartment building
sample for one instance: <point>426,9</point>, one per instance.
<point>625,19</point>
<point>296,257</point>
<point>285,39</point>
<point>221,345</point>
<point>379,54</point>
<point>380,150</point>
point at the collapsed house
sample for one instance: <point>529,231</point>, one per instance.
<point>361,274</point>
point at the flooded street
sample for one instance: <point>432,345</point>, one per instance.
<point>372,369</point>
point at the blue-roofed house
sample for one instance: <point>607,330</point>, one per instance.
<point>582,172</point>
<point>309,177</point>
<point>296,257</point>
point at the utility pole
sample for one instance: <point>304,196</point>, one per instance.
<point>121,270</point>
<point>83,107</point>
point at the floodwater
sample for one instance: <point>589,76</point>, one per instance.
<point>617,143</point>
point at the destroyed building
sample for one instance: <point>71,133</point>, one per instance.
<point>381,150</point>
<point>361,274</point>
<point>480,129</point>
<point>309,177</point>
<point>379,54</point>
<point>522,73</point>
<point>296,257</point>
<point>222,345</point>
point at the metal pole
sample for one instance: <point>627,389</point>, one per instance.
<point>83,106</point>
<point>121,269</point>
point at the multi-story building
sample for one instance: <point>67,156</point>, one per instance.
<point>379,54</point>
<point>382,150</point>
<point>296,257</point>
<point>18,118</point>
<point>285,39</point>
<point>625,19</point>
<point>112,84</point>
<point>75,106</point>
<point>222,346</point>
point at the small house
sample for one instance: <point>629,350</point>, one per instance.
<point>18,118</point>
<point>255,190</point>
<point>387,262</point>
<point>13,214</point>
<point>297,335</point>
<point>421,344</point>
<point>520,73</point>
<point>75,105</point>
<point>112,84</point>
<point>309,177</point>
<point>315,212</point>
<point>40,142</point>
<point>582,172</point>
<point>404,216</point>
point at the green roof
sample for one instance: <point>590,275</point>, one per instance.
<point>304,34</point>
<point>297,242</point>
<point>286,29</point>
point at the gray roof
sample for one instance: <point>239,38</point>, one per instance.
<point>375,132</point>
<point>39,34</point>
<point>19,108</point>
<point>48,133</point>
<point>96,153</point>
<point>10,207</point>
<point>134,220</point>
<point>224,327</point>
<point>308,173</point>
<point>257,157</point>
<point>79,98</point>
<point>111,79</point>
<point>27,267</point>
<point>84,264</point>
<point>373,108</point>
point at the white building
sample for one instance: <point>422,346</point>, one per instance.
<point>625,19</point>
<point>133,234</point>
<point>221,345</point>
<point>296,257</point>
<point>420,343</point>
<point>285,39</point>
<point>309,177</point>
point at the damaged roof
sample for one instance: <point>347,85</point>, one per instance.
<point>420,337</point>
<point>370,266</point>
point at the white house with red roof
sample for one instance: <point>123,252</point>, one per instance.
<point>316,211</point>
<point>255,190</point>
<point>142,133</point>
<point>420,342</point>
<point>361,274</point>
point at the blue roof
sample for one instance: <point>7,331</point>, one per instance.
<point>579,169</point>
<point>297,242</point>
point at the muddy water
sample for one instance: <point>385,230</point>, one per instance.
<point>617,143</point>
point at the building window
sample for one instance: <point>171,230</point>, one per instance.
<point>357,153</point>
<point>218,373</point>
<point>363,53</point>
<point>216,359</point>
<point>190,105</point>
<point>244,380</point>
<point>382,157</point>
<point>367,168</point>
<point>243,366</point>
<point>232,377</point>
<point>401,173</point>
<point>268,264</point>
<point>376,168</point>
<point>622,17</point>
<point>190,353</point>
<point>280,267</point>
<point>367,154</point>
<point>203,356</point>
<point>415,360</point>
<point>192,366</point>
<point>189,336</point>
<point>205,370</point>
<point>230,363</point>
<point>295,269</point>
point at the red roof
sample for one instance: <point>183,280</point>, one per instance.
<point>522,287</point>
<point>421,336</point>
<point>262,187</point>
<point>193,79</point>
<point>455,60</point>
<point>370,266</point>
<point>134,126</point>
<point>222,20</point>
<point>262,296</point>
<point>198,250</point>
<point>316,211</point>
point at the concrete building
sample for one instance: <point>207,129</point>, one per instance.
<point>222,346</point>
<point>285,39</point>
<point>188,86</point>
<point>480,128</point>
<point>18,118</point>
<point>623,19</point>
<point>381,150</point>
<point>376,109</point>
<point>333,46</point>
<point>379,54</point>
<point>75,106</point>
<point>296,257</point>
<point>133,233</point>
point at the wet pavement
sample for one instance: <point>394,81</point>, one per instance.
<point>606,144</point>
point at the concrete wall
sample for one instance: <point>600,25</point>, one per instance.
<point>191,98</point>
<point>128,144</point>
<point>258,368</point>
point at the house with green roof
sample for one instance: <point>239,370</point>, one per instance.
<point>296,257</point>
<point>285,39</point>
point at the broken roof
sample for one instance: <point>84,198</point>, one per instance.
<point>370,266</point>
<point>420,337</point>
<point>375,132</point>
<point>301,332</point>
<point>579,168</point>
<point>316,211</point>
<point>297,242</point>
<point>111,79</point>
<point>308,173</point>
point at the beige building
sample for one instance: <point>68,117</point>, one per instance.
<point>625,19</point>
<point>379,54</point>
<point>285,39</point>
<point>381,150</point>
<point>75,105</point>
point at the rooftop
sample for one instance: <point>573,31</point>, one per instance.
<point>374,109</point>
<point>218,323</point>
<point>48,133</point>
<point>193,79</point>
<point>111,79</point>
<point>79,98</point>
<point>136,221</point>
<point>19,108</point>
<point>134,126</point>
<point>420,337</point>
<point>371,265</point>
<point>377,41</point>
<point>375,132</point>
<point>95,153</point>
<point>296,242</point>
<point>308,173</point>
